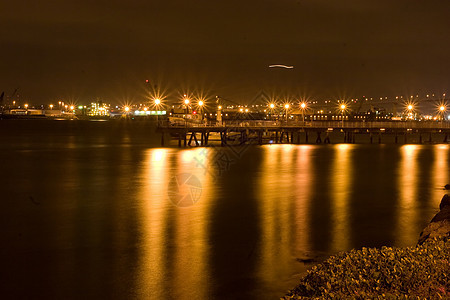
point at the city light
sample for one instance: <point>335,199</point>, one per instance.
<point>303,106</point>
<point>342,106</point>
<point>157,101</point>
<point>200,103</point>
<point>286,106</point>
<point>410,107</point>
<point>272,105</point>
<point>127,109</point>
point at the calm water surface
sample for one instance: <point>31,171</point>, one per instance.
<point>97,210</point>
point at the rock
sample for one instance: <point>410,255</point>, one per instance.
<point>444,202</point>
<point>440,224</point>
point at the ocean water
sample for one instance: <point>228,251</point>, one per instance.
<point>100,210</point>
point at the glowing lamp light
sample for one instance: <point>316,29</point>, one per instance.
<point>286,105</point>
<point>410,107</point>
<point>342,106</point>
<point>220,107</point>
<point>200,103</point>
<point>442,108</point>
<point>272,105</point>
<point>241,109</point>
<point>186,101</point>
<point>157,101</point>
<point>127,109</point>
<point>303,105</point>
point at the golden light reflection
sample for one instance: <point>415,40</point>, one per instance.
<point>407,186</point>
<point>440,174</point>
<point>304,181</point>
<point>283,208</point>
<point>186,250</point>
<point>158,155</point>
<point>153,202</point>
<point>192,246</point>
<point>341,187</point>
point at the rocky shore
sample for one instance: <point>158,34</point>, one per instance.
<point>421,271</point>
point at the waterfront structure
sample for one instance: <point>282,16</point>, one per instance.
<point>260,132</point>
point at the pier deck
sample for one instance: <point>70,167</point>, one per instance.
<point>264,132</point>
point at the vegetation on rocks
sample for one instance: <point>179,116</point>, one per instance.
<point>417,272</point>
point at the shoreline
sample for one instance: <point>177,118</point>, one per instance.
<point>421,271</point>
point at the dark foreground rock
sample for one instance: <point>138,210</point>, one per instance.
<point>418,272</point>
<point>440,224</point>
<point>414,272</point>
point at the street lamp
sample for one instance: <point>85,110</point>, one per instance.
<point>410,109</point>
<point>186,103</point>
<point>442,109</point>
<point>200,105</point>
<point>157,104</point>
<point>303,107</point>
<point>342,107</point>
<point>271,106</point>
<point>51,106</point>
<point>286,106</point>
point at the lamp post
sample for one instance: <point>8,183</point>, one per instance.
<point>410,108</point>
<point>186,103</point>
<point>271,109</point>
<point>286,106</point>
<point>442,111</point>
<point>342,107</point>
<point>157,104</point>
<point>303,106</point>
<point>200,105</point>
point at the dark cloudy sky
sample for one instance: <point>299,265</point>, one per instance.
<point>82,50</point>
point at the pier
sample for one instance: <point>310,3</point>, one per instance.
<point>315,132</point>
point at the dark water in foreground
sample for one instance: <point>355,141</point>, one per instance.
<point>88,210</point>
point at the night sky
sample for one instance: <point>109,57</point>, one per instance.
<point>83,50</point>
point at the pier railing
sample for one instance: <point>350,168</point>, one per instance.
<point>314,124</point>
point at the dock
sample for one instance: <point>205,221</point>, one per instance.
<point>315,132</point>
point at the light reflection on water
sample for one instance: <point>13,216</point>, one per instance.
<point>109,217</point>
<point>341,189</point>
<point>407,208</point>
